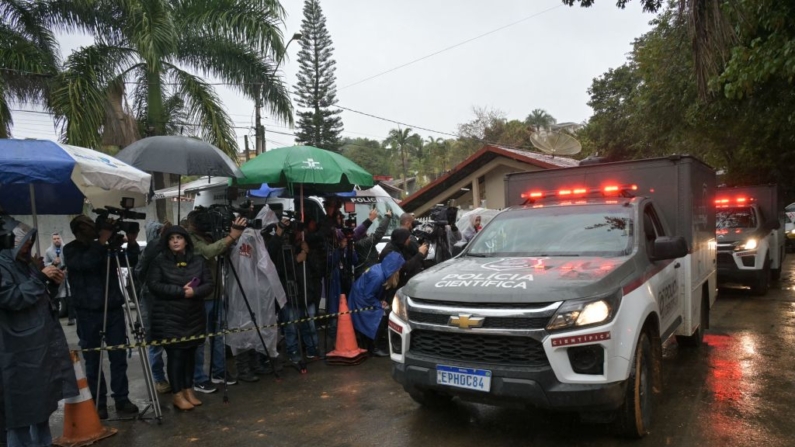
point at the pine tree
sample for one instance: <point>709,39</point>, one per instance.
<point>318,124</point>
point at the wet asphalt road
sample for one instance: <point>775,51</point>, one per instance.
<point>736,390</point>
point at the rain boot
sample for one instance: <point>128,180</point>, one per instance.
<point>260,364</point>
<point>243,364</point>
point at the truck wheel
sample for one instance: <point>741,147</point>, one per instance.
<point>694,341</point>
<point>430,399</point>
<point>775,274</point>
<point>762,284</point>
<point>634,417</point>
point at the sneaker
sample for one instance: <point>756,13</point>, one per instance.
<point>127,407</point>
<point>294,357</point>
<point>220,380</point>
<point>102,412</point>
<point>163,387</point>
<point>205,387</point>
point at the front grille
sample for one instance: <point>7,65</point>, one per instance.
<point>488,322</point>
<point>479,348</point>
<point>725,259</point>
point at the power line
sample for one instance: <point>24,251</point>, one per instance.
<point>451,47</point>
<point>397,122</point>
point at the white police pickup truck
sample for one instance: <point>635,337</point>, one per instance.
<point>751,239</point>
<point>563,300</point>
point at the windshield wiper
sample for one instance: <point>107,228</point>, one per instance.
<point>559,254</point>
<point>479,255</point>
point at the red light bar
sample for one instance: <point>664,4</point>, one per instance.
<point>611,188</point>
<point>741,199</point>
<point>564,192</point>
<point>580,191</point>
<point>532,195</point>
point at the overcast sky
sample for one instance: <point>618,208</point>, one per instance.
<point>547,61</point>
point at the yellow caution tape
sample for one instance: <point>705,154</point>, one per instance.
<point>172,341</point>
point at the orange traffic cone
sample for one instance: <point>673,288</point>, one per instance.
<point>347,351</point>
<point>81,424</point>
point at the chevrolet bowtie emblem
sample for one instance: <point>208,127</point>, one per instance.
<point>466,321</point>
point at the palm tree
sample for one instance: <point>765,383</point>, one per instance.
<point>400,139</point>
<point>539,119</point>
<point>150,46</point>
<point>28,58</point>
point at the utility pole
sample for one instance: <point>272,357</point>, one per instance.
<point>245,141</point>
<point>259,137</point>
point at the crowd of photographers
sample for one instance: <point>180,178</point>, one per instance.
<point>279,273</point>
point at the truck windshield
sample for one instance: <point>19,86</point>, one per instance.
<point>582,230</point>
<point>736,217</point>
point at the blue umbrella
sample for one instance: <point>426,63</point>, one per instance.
<point>44,177</point>
<point>266,191</point>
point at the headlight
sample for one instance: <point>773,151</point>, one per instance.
<point>399,305</point>
<point>583,313</point>
<point>750,244</point>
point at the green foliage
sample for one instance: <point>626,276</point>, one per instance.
<point>651,107</point>
<point>766,48</point>
<point>318,125</point>
<point>367,153</point>
<point>28,58</point>
<point>149,44</point>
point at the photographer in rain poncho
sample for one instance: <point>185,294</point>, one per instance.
<point>260,282</point>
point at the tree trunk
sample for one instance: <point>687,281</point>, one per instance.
<point>156,126</point>
<point>403,159</point>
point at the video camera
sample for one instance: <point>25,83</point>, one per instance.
<point>349,223</point>
<point>118,225</point>
<point>294,225</point>
<point>216,220</point>
<point>434,230</point>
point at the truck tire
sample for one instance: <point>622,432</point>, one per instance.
<point>694,341</point>
<point>775,274</point>
<point>634,416</point>
<point>430,399</point>
<point>762,284</point>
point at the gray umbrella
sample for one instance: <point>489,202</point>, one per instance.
<point>179,155</point>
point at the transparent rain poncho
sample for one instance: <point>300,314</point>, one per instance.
<point>260,281</point>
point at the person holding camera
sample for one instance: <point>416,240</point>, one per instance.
<point>179,279</point>
<point>401,242</point>
<point>87,260</point>
<point>34,357</point>
<point>366,246</point>
<point>200,230</point>
<point>290,252</point>
<point>54,256</point>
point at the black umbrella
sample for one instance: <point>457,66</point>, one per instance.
<point>179,155</point>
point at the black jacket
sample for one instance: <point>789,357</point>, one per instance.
<point>173,315</point>
<point>366,246</point>
<point>87,265</point>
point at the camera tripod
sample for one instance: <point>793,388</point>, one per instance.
<point>221,313</point>
<point>135,327</point>
<point>293,300</point>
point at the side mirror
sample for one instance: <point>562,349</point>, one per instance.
<point>669,248</point>
<point>458,247</point>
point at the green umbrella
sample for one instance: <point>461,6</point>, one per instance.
<point>315,168</point>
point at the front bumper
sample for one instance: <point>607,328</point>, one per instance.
<point>514,385</point>
<point>739,267</point>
